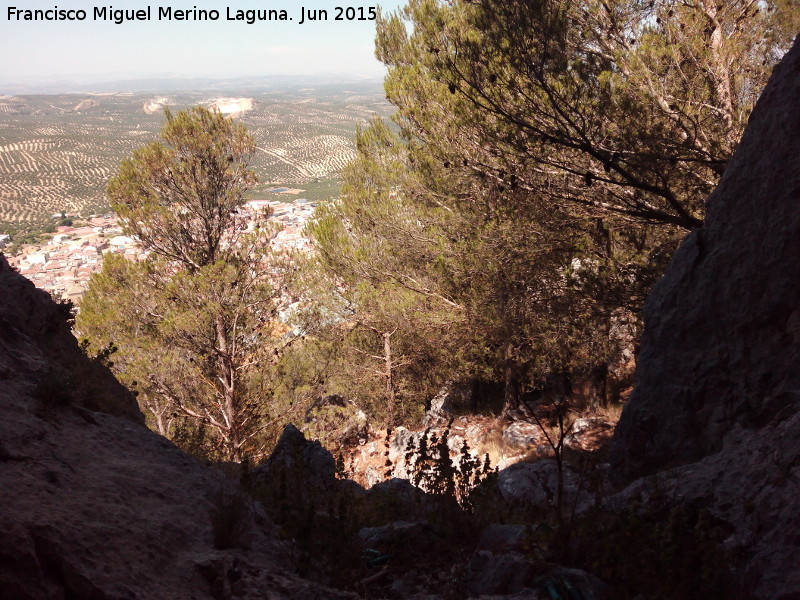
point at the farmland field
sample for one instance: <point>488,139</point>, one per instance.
<point>57,152</point>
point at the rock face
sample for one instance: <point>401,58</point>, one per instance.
<point>300,459</point>
<point>94,505</point>
<point>36,341</point>
<point>721,346</point>
<point>716,411</point>
<point>86,105</point>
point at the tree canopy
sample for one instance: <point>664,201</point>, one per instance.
<point>195,322</point>
<point>618,106</point>
<point>545,160</point>
<point>179,196</point>
<point>550,156</point>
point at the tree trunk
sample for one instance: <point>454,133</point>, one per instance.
<point>512,391</point>
<point>474,395</point>
<point>158,412</point>
<point>227,377</point>
<point>389,370</point>
<point>721,72</point>
<point>598,380</point>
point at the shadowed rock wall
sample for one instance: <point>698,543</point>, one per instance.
<point>95,506</point>
<point>36,341</point>
<point>721,344</point>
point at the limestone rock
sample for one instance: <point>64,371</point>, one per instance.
<point>520,434</point>
<point>532,487</point>
<point>496,574</point>
<point>36,344</point>
<point>499,538</point>
<point>441,409</point>
<point>398,500</point>
<point>400,536</point>
<point>87,104</point>
<point>299,459</point>
<point>93,508</point>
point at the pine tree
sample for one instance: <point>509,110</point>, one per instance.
<point>194,322</point>
<point>551,155</point>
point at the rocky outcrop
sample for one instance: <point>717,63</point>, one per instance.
<point>715,413</point>
<point>36,344</point>
<point>303,461</point>
<point>87,104</point>
<point>721,345</point>
<point>93,504</point>
<point>533,488</point>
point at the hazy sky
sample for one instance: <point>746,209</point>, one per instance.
<point>60,50</point>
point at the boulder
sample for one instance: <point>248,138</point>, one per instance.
<point>533,487</point>
<point>499,538</point>
<point>300,460</point>
<point>400,537</point>
<point>398,500</point>
<point>512,575</point>
<point>399,442</point>
<point>498,574</point>
<point>520,434</point>
<point>441,409</point>
<point>36,342</point>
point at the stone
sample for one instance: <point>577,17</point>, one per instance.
<point>35,339</point>
<point>721,343</point>
<point>520,434</point>
<point>399,443</point>
<point>495,574</point>
<point>587,586</point>
<point>441,409</point>
<point>300,459</point>
<point>534,487</point>
<point>585,428</point>
<point>92,503</point>
<point>499,538</point>
<point>400,537</point>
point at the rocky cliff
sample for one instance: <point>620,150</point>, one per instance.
<point>715,413</point>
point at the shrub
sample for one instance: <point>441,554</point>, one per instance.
<point>434,470</point>
<point>658,548</point>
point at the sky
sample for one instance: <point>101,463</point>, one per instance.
<point>102,50</point>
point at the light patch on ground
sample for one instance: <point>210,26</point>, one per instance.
<point>155,105</point>
<point>86,105</point>
<point>229,106</point>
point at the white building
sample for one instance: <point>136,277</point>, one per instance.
<point>38,258</point>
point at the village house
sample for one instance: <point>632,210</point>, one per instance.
<point>73,253</point>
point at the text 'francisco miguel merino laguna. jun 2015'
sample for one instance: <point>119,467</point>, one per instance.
<point>300,14</point>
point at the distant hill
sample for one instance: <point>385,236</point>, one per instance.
<point>172,84</point>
